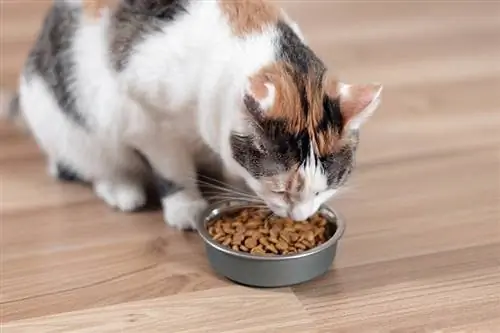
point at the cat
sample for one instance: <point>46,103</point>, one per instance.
<point>153,87</point>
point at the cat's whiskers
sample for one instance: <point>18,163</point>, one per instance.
<point>217,181</point>
<point>220,192</point>
<point>236,198</point>
<point>215,189</point>
<point>247,204</point>
<point>210,180</point>
<point>222,188</point>
<point>228,193</point>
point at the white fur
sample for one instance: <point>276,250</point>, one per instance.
<point>180,94</point>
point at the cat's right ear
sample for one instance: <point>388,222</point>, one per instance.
<point>357,101</point>
<point>259,97</point>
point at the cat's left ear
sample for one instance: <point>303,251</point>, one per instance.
<point>358,102</point>
<point>259,97</point>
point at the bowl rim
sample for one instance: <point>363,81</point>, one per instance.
<point>216,209</point>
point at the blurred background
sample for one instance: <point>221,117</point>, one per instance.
<point>423,208</point>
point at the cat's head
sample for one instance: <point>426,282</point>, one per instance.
<point>298,140</point>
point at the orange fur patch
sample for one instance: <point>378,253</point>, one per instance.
<point>295,183</point>
<point>91,8</point>
<point>287,101</point>
<point>328,142</point>
<point>249,16</point>
<point>287,104</point>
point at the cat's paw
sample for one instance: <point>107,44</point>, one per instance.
<point>123,196</point>
<point>182,209</point>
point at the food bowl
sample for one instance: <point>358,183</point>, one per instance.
<point>270,270</point>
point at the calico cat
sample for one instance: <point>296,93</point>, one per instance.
<point>174,82</point>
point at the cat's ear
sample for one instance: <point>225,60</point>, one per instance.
<point>259,97</point>
<point>358,102</point>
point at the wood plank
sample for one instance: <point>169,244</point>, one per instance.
<point>419,294</point>
<point>231,309</point>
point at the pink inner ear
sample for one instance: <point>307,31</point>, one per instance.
<point>258,87</point>
<point>256,91</point>
<point>354,99</point>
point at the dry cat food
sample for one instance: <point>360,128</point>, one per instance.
<point>256,231</point>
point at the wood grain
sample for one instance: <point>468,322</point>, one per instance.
<point>237,309</point>
<point>421,252</point>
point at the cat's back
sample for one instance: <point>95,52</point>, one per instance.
<point>209,25</point>
<point>209,22</point>
<point>183,43</point>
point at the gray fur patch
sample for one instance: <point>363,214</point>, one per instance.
<point>51,57</point>
<point>134,20</point>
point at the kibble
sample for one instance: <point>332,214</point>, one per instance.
<point>262,233</point>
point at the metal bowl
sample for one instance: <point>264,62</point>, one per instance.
<point>273,270</point>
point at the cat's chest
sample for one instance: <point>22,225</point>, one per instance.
<point>145,123</point>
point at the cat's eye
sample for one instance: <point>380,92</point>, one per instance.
<point>316,193</point>
<point>279,192</point>
<point>259,146</point>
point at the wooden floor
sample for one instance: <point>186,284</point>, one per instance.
<point>422,247</point>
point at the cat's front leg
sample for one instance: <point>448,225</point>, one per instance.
<point>174,173</point>
<point>181,202</point>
